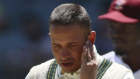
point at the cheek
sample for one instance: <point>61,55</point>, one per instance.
<point>77,57</point>
<point>77,53</point>
<point>55,53</point>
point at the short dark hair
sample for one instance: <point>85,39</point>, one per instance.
<point>67,14</point>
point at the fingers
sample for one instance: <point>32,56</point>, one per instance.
<point>84,54</point>
<point>88,62</point>
<point>88,51</point>
<point>91,50</point>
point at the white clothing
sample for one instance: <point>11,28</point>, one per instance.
<point>118,59</point>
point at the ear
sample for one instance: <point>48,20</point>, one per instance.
<point>92,36</point>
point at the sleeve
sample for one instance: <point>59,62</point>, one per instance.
<point>128,75</point>
<point>32,73</point>
<point>117,71</point>
<point>39,71</point>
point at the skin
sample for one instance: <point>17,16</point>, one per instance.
<point>67,46</point>
<point>126,41</point>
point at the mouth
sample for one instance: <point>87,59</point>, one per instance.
<point>67,65</point>
<point>118,42</point>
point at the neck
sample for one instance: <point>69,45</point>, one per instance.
<point>133,59</point>
<point>63,72</point>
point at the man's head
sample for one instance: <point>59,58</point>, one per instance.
<point>70,26</point>
<point>70,14</point>
<point>124,20</point>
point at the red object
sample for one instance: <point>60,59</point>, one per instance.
<point>123,11</point>
<point>92,36</point>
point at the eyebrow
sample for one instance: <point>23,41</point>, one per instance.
<point>72,43</point>
<point>68,43</point>
<point>55,43</point>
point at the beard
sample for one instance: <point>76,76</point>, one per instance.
<point>121,52</point>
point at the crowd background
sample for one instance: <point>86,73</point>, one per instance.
<point>24,28</point>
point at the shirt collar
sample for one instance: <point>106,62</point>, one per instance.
<point>69,75</point>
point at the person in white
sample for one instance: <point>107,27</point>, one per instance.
<point>75,56</point>
<point>124,26</point>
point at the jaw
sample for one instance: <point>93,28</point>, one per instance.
<point>69,68</point>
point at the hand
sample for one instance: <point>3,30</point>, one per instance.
<point>89,65</point>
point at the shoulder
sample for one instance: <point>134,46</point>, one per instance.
<point>111,53</point>
<point>117,71</point>
<point>39,71</point>
<point>110,56</point>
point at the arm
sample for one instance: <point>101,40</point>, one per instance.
<point>128,75</point>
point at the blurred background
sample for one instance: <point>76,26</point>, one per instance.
<point>24,40</point>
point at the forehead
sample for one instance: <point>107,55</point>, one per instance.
<point>119,23</point>
<point>122,25</point>
<point>66,28</point>
<point>75,25</point>
<point>66,33</point>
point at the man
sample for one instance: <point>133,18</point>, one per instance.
<point>124,20</point>
<point>75,57</point>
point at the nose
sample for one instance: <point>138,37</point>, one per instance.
<point>116,32</point>
<point>65,54</point>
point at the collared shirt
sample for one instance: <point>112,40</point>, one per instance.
<point>116,58</point>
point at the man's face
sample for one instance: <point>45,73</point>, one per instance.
<point>67,46</point>
<point>125,37</point>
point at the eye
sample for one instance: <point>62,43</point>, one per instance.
<point>56,46</point>
<point>72,45</point>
